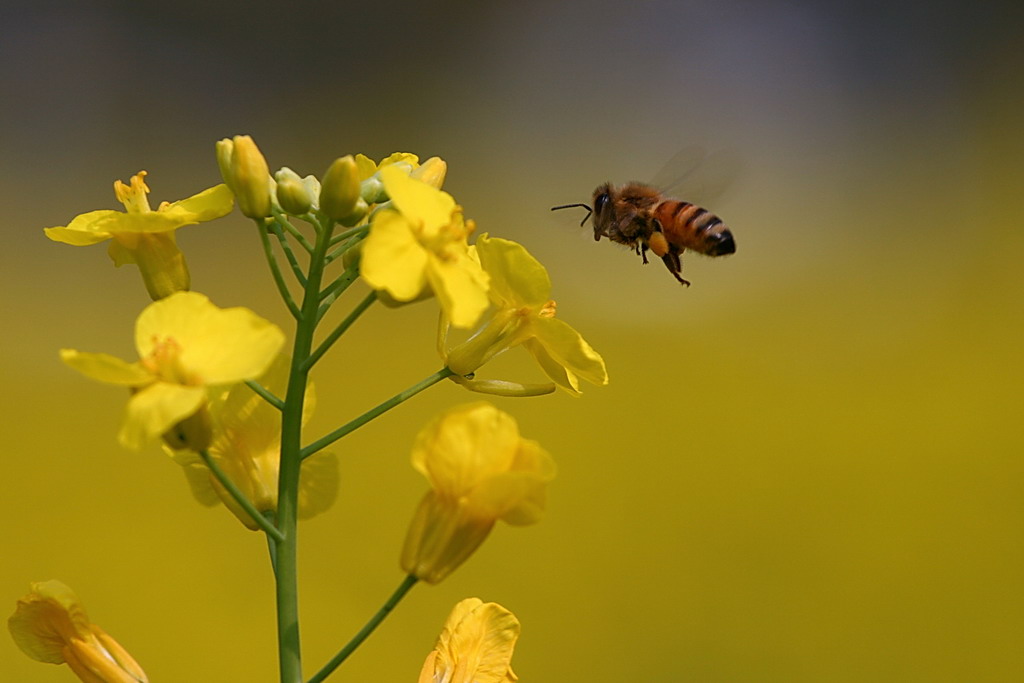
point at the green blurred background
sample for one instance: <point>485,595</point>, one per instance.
<point>806,467</point>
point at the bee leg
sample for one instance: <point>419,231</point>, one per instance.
<point>642,250</point>
<point>675,266</point>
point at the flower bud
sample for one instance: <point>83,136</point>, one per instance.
<point>352,256</point>
<point>358,213</point>
<point>432,172</point>
<point>247,175</point>
<point>225,148</point>
<point>292,193</point>
<point>339,190</point>
<point>372,190</point>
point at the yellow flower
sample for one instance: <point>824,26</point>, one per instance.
<point>247,446</point>
<point>185,345</point>
<point>475,646</point>
<point>480,471</point>
<point>145,237</point>
<point>50,625</point>
<point>525,314</point>
<point>421,247</point>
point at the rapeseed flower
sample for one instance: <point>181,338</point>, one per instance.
<point>419,246</point>
<point>246,445</point>
<point>524,314</point>
<point>50,625</point>
<point>480,470</point>
<point>475,645</point>
<point>185,345</point>
<point>145,237</point>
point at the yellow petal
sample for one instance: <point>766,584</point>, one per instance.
<point>570,350</point>
<point>106,368</point>
<point>552,368</point>
<point>46,619</point>
<point>461,289</point>
<point>102,660</point>
<point>149,222</point>
<point>220,346</point>
<point>196,474</point>
<point>518,495</point>
<point>400,158</point>
<point>517,278</point>
<point>442,535</point>
<point>365,166</point>
<point>418,201</point>
<point>464,446</point>
<point>155,409</point>
<point>207,205</point>
<point>478,647</point>
<point>392,259</point>
<point>427,672</point>
<point>87,228</point>
<point>318,487</point>
<point>432,172</point>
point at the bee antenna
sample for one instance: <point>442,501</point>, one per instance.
<point>572,206</point>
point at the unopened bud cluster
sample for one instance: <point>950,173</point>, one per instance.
<point>342,195</point>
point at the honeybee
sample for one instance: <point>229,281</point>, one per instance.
<point>641,217</point>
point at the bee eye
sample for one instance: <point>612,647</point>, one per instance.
<point>600,202</point>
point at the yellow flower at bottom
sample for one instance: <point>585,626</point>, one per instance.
<point>475,646</point>
<point>50,625</point>
<point>145,237</point>
<point>185,345</point>
<point>480,471</point>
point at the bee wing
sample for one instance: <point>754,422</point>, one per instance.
<point>695,176</point>
<point>679,167</point>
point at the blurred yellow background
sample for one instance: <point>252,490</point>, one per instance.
<point>806,467</point>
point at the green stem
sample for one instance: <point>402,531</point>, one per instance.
<point>373,413</point>
<point>331,293</point>
<point>283,221</point>
<point>290,463</point>
<point>342,236</point>
<point>250,509</point>
<point>340,330</point>
<point>265,394</point>
<point>275,270</point>
<point>286,247</point>
<point>271,543</point>
<point>357,236</point>
<point>373,623</point>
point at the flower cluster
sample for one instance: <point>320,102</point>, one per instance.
<point>231,406</point>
